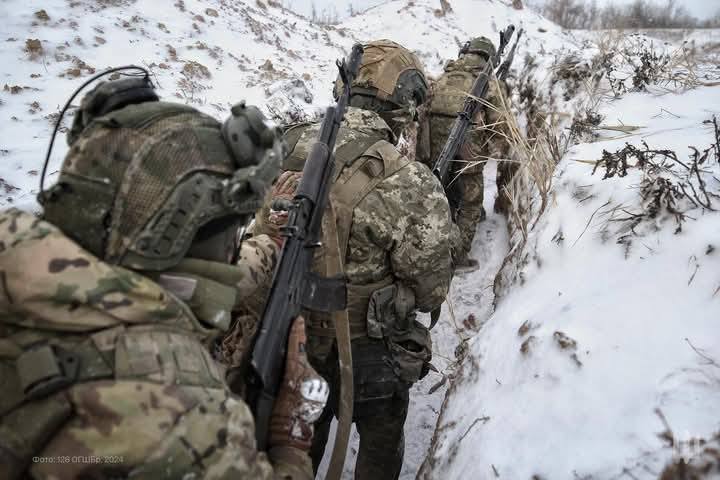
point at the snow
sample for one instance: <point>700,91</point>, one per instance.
<point>643,321</point>
<point>234,46</point>
<point>643,313</point>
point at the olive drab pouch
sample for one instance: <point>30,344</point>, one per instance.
<point>411,351</point>
<point>381,309</point>
<point>390,317</point>
<point>389,307</point>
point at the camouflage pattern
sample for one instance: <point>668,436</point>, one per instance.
<point>256,263</point>
<point>482,142</point>
<point>400,232</point>
<point>401,228</point>
<point>146,400</point>
<point>139,182</point>
<point>391,81</point>
<point>384,64</point>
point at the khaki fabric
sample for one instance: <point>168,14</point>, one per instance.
<point>384,61</point>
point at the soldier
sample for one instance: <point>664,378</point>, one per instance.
<point>392,224</point>
<point>109,302</point>
<point>487,141</point>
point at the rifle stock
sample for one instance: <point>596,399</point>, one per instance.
<point>293,286</point>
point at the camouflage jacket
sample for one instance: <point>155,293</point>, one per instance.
<point>106,373</point>
<point>400,229</point>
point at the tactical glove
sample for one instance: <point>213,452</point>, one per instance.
<point>302,396</point>
<point>274,214</point>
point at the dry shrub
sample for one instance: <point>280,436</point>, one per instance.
<point>693,458</point>
<point>34,48</point>
<point>193,69</point>
<point>539,148</point>
<point>635,63</point>
<point>534,160</point>
<point>42,15</point>
<point>670,188</point>
<point>190,90</point>
<point>585,14</point>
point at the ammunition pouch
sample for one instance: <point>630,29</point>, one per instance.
<point>35,405</point>
<point>164,355</point>
<point>45,370</point>
<point>389,307</point>
<point>390,317</point>
<point>411,351</point>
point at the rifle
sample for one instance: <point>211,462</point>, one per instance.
<point>473,103</point>
<point>294,286</point>
<point>502,72</point>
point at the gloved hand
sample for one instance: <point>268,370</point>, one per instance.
<point>301,399</point>
<point>271,218</point>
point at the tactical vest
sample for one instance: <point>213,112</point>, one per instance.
<point>68,319</point>
<point>362,161</point>
<point>450,92</point>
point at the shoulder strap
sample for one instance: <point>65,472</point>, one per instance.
<point>358,179</point>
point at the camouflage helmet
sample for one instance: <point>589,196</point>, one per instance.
<point>482,46</point>
<point>390,75</point>
<point>140,182</point>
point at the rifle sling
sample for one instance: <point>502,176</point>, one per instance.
<point>334,266</point>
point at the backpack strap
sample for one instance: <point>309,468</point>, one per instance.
<point>359,178</point>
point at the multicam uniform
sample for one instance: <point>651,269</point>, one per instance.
<point>106,373</point>
<point>105,363</point>
<point>466,178</point>
<point>393,227</point>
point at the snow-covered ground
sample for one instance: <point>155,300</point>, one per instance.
<point>616,324</point>
<point>611,337</point>
<point>209,53</point>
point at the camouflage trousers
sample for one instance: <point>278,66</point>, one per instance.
<point>379,421</point>
<point>382,438</point>
<point>466,201</point>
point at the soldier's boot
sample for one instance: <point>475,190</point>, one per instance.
<point>382,440</point>
<point>501,205</point>
<point>467,222</point>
